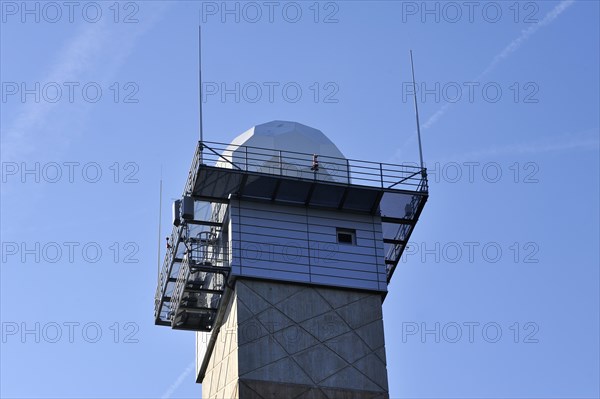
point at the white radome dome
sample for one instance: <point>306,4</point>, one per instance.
<point>272,148</point>
<point>288,136</point>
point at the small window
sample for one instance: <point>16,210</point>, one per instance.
<point>346,236</point>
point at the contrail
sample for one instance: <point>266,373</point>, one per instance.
<point>526,34</point>
<point>98,50</point>
<point>584,141</point>
<point>507,51</point>
<point>502,55</point>
<point>179,381</point>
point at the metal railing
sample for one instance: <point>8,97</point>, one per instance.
<point>302,165</point>
<point>403,234</point>
<point>193,173</point>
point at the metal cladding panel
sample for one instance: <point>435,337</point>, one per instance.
<point>349,254</point>
<point>347,273</point>
<point>347,282</point>
<point>377,225</point>
<point>275,267</point>
<point>234,236</point>
<point>341,219</point>
<point>341,266</point>
<point>251,219</point>
<point>300,244</point>
<point>273,274</point>
<point>284,249</point>
<point>267,231</point>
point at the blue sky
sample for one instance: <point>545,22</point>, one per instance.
<point>506,251</point>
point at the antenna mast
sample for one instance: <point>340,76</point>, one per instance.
<point>416,109</point>
<point>159,224</point>
<point>200,79</point>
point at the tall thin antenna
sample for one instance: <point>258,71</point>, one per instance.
<point>200,78</point>
<point>416,109</point>
<point>159,225</point>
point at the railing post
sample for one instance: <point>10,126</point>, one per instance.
<point>348,170</point>
<point>200,150</point>
<point>381,173</point>
<point>246,162</point>
<point>280,164</point>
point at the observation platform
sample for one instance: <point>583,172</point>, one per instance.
<point>196,271</point>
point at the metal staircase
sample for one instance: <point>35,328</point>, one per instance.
<point>195,268</point>
<point>200,283</point>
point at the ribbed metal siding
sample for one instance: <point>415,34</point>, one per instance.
<point>298,244</point>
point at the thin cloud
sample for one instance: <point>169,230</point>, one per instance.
<point>95,53</point>
<point>526,34</point>
<point>434,118</point>
<point>502,55</point>
<point>73,60</point>
<point>169,392</point>
<point>581,141</point>
<point>507,51</point>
